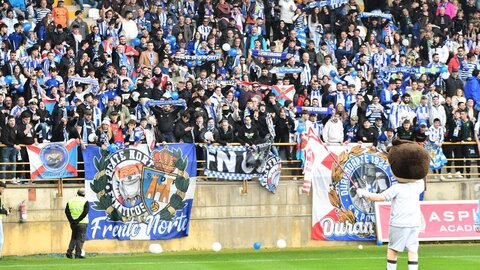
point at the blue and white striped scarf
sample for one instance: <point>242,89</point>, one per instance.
<point>93,88</point>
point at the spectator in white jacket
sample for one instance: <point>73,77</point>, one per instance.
<point>437,111</point>
<point>327,67</point>
<point>333,130</point>
<point>287,11</point>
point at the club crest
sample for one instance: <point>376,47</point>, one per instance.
<point>54,157</point>
<point>368,170</point>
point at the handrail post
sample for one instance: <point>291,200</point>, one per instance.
<point>60,188</point>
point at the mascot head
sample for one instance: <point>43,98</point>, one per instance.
<point>409,161</point>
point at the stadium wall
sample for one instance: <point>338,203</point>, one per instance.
<point>220,213</point>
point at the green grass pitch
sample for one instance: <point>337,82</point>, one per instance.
<point>434,257</point>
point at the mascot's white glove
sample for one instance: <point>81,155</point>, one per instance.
<point>362,192</point>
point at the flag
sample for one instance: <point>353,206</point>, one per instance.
<point>53,160</point>
<point>284,92</point>
<point>335,173</point>
<point>236,162</point>
<point>49,104</point>
<point>139,196</point>
<point>301,36</point>
<point>437,158</point>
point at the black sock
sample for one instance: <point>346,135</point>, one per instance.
<point>412,265</point>
<point>391,265</point>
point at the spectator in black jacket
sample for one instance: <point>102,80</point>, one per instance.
<point>284,125</point>
<point>225,134</point>
<point>183,129</point>
<point>25,135</point>
<point>10,151</point>
<point>153,127</point>
<point>199,128</point>
<point>166,117</point>
<point>248,133</point>
<point>210,133</point>
<point>359,109</point>
<point>64,129</point>
<point>367,133</point>
<point>453,83</point>
<point>454,132</point>
<point>405,132</point>
<point>59,112</point>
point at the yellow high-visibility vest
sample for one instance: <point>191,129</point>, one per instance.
<point>75,205</point>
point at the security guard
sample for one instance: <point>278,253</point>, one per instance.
<point>76,212</point>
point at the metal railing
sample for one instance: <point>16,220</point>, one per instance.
<point>291,170</point>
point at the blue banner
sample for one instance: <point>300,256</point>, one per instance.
<point>152,102</point>
<point>329,3</point>
<point>212,58</point>
<point>375,14</point>
<point>270,54</point>
<point>286,70</point>
<point>314,110</point>
<point>136,195</point>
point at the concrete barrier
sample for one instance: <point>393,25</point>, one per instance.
<point>220,213</point>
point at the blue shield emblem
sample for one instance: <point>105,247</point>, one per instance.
<point>157,187</point>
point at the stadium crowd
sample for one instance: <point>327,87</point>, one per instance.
<point>151,72</point>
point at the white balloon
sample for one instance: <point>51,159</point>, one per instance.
<point>405,42</point>
<point>445,75</point>
<point>155,248</point>
<point>226,47</point>
<point>92,137</point>
<point>216,246</point>
<point>135,96</point>
<point>281,243</point>
<point>209,136</point>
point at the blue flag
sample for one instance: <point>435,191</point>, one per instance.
<point>135,195</point>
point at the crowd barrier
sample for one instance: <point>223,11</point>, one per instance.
<point>291,169</point>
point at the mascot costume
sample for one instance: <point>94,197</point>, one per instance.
<point>409,163</point>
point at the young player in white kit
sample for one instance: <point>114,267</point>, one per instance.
<point>409,163</point>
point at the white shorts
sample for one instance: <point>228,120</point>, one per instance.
<point>403,238</point>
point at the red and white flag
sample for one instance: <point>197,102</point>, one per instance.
<point>53,160</point>
<point>284,92</point>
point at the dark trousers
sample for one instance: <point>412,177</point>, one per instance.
<point>453,151</point>
<point>24,167</point>
<point>79,232</point>
<point>467,154</point>
<point>169,137</point>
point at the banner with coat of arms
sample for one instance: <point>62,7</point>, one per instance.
<point>53,160</point>
<point>338,213</point>
<point>138,196</point>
